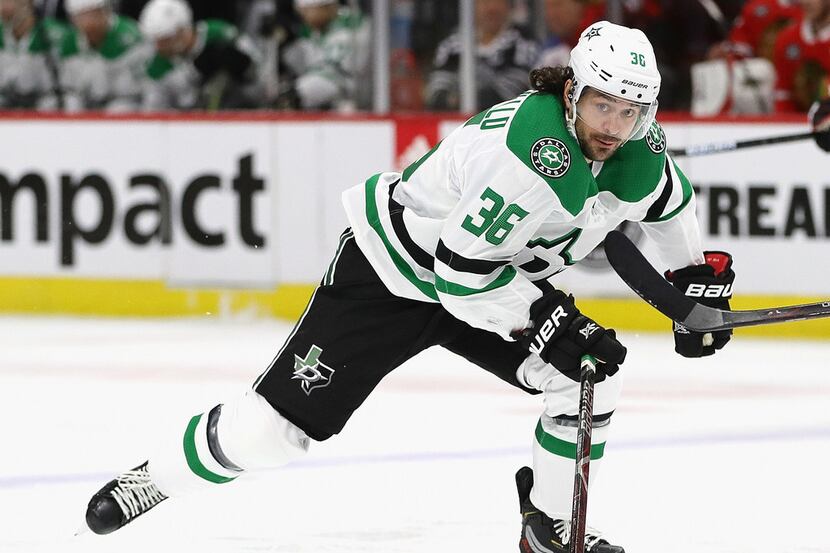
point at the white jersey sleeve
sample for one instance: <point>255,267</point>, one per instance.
<point>672,222</point>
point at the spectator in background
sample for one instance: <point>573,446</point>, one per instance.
<point>564,20</point>
<point>504,57</point>
<point>432,22</point>
<point>683,31</point>
<point>209,65</point>
<point>738,76</point>
<point>755,30</point>
<point>328,65</point>
<point>802,59</point>
<point>105,59</point>
<point>29,57</point>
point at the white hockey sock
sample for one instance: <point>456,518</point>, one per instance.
<point>217,446</point>
<point>554,458</point>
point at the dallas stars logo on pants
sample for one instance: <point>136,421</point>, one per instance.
<point>310,371</point>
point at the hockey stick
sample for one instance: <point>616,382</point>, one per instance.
<point>721,147</point>
<point>583,453</point>
<point>650,285</point>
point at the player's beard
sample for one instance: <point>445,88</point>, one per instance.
<point>595,145</point>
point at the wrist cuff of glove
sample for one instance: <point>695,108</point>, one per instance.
<point>709,283</point>
<point>716,265</point>
<point>721,262</point>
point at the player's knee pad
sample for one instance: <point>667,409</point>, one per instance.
<point>250,434</point>
<point>562,397</point>
<point>562,394</point>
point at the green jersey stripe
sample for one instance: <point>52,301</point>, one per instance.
<point>562,448</point>
<point>372,217</point>
<point>454,289</point>
<point>414,166</point>
<point>192,455</point>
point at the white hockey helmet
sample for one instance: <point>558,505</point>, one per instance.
<point>618,61</point>
<point>78,6</point>
<point>162,18</point>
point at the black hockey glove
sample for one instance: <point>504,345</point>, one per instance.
<point>711,285</point>
<point>561,335</point>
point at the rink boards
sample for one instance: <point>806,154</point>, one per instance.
<point>170,216</point>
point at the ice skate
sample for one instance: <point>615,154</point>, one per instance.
<point>123,499</point>
<point>542,534</point>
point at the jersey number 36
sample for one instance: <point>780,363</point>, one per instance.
<point>494,220</point>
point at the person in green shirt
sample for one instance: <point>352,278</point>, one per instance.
<point>208,65</point>
<point>104,59</point>
<point>330,61</point>
<point>29,57</point>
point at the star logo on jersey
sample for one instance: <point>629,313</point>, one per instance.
<point>592,32</point>
<point>311,373</point>
<point>656,139</point>
<point>550,157</point>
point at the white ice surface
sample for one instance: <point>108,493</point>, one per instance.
<point>727,454</point>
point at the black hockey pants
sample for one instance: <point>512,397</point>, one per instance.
<point>353,333</point>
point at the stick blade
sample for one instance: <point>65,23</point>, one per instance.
<point>635,270</point>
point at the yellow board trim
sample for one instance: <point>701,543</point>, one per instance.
<point>140,298</point>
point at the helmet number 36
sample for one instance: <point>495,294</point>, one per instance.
<point>638,59</point>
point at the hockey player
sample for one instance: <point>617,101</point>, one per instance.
<point>105,62</point>
<point>29,57</point>
<point>459,251</point>
<point>329,63</point>
<point>206,65</point>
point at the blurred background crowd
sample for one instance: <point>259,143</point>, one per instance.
<point>716,56</point>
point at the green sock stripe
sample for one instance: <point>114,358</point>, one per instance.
<point>561,447</point>
<point>192,455</point>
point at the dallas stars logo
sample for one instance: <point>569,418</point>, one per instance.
<point>550,157</point>
<point>310,371</point>
<point>656,139</point>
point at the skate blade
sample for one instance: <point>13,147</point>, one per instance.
<point>84,529</point>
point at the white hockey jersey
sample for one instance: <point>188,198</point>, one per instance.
<point>29,66</point>
<point>507,200</point>
<point>108,77</point>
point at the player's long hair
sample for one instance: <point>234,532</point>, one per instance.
<point>551,79</point>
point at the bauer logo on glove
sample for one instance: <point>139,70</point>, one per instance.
<point>549,328</point>
<point>711,291</point>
